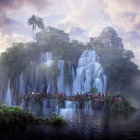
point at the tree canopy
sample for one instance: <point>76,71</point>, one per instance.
<point>35,22</point>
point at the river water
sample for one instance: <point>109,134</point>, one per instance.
<point>83,124</point>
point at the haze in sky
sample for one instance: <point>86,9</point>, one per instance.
<point>80,18</point>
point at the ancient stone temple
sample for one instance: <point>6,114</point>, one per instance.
<point>107,38</point>
<point>49,32</point>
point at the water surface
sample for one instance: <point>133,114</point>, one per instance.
<point>83,124</point>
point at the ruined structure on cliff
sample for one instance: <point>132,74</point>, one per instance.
<point>50,33</point>
<point>107,38</point>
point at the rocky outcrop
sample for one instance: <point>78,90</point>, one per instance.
<point>107,38</point>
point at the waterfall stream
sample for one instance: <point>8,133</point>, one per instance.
<point>88,74</point>
<point>8,99</point>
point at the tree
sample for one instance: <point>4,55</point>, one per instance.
<point>128,54</point>
<point>35,22</point>
<point>93,90</point>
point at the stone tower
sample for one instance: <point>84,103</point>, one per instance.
<point>108,38</point>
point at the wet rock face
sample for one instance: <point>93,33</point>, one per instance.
<point>108,38</point>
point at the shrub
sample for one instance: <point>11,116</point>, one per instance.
<point>57,120</point>
<point>108,97</point>
<point>9,115</point>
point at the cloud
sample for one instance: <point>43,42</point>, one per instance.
<point>4,21</point>
<point>76,31</point>
<point>126,16</point>
<point>85,14</point>
<point>6,40</point>
<point>80,18</point>
<point>79,34</point>
<point>124,13</point>
<point>16,4</point>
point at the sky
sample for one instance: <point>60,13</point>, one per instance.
<point>80,18</point>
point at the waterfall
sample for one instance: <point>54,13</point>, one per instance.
<point>89,73</point>
<point>36,79</point>
<point>8,98</point>
<point>48,89</point>
<point>105,82</point>
<point>60,79</point>
<point>47,58</point>
<point>21,84</point>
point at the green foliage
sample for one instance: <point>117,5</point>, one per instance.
<point>108,97</point>
<point>15,115</point>
<point>93,90</point>
<point>17,58</point>
<point>67,51</point>
<point>123,105</point>
<point>51,34</point>
<point>35,22</point>
<point>128,54</point>
<point>119,69</point>
<point>2,103</point>
<point>14,60</point>
<point>57,120</point>
<point>119,106</point>
<point>10,115</point>
<point>57,42</point>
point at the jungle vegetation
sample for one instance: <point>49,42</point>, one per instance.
<point>121,72</point>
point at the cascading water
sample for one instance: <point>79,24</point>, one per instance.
<point>105,82</point>
<point>8,98</point>
<point>21,85</point>
<point>47,58</point>
<point>60,79</point>
<point>89,74</point>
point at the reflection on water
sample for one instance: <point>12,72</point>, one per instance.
<point>84,123</point>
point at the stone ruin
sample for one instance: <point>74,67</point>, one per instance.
<point>107,38</point>
<point>50,32</point>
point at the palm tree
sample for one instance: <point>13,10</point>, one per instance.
<point>35,22</point>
